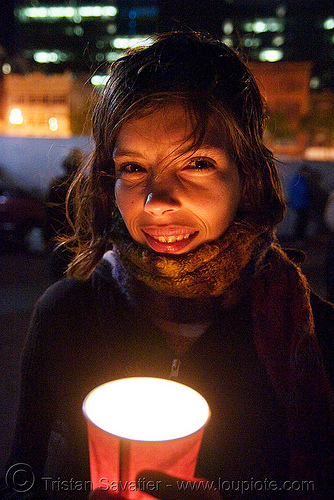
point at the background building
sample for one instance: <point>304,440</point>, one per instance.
<point>288,43</point>
<point>80,36</point>
<point>37,105</point>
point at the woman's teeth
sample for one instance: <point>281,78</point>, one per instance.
<point>171,239</point>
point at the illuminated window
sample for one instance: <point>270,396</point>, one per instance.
<point>263,25</point>
<point>278,40</point>
<point>6,68</point>
<point>329,23</point>
<point>252,42</point>
<point>126,42</point>
<point>228,41</point>
<point>53,124</point>
<point>99,79</point>
<point>74,13</point>
<point>49,57</point>
<point>270,55</point>
<point>314,83</point>
<point>16,117</point>
<point>228,27</point>
<point>113,56</point>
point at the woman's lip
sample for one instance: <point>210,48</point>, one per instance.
<point>157,231</point>
<point>170,246</point>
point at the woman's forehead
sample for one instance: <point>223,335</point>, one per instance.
<point>172,124</point>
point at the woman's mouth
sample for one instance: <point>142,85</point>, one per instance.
<point>169,243</point>
<point>171,239</point>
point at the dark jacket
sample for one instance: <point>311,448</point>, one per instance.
<point>84,333</point>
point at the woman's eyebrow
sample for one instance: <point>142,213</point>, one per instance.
<point>124,152</point>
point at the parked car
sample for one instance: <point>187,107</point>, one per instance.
<point>22,220</point>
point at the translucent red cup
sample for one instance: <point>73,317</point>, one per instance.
<point>143,423</point>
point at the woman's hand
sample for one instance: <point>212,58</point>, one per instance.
<point>165,487</point>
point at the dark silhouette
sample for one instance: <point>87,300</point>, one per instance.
<point>308,199</point>
<point>57,222</point>
<point>329,219</point>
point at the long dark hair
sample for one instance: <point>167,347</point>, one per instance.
<point>212,83</point>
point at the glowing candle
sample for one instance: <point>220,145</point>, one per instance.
<point>143,423</point>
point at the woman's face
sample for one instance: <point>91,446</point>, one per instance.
<point>173,199</point>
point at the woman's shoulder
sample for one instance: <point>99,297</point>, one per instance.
<point>323,313</point>
<point>73,291</point>
<point>73,302</point>
<point>63,293</point>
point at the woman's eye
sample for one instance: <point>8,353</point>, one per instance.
<point>131,168</point>
<point>200,164</point>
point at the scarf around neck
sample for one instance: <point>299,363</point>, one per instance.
<point>253,264</point>
<point>208,271</point>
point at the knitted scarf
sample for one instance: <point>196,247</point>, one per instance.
<point>251,262</point>
<point>209,271</point>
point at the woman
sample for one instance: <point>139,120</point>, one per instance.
<point>178,274</point>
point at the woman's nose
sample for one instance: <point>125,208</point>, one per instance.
<point>161,200</point>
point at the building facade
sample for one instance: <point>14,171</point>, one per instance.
<point>36,105</point>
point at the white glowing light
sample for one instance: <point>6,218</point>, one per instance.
<point>228,27</point>
<point>96,11</point>
<point>53,124</point>
<point>68,12</point>
<point>113,56</point>
<point>58,12</point>
<point>126,42</point>
<point>6,68</point>
<point>271,55</point>
<point>45,57</point>
<point>329,23</point>
<point>36,12</point>
<point>146,409</point>
<point>259,27</point>
<point>16,117</point>
<point>99,79</point>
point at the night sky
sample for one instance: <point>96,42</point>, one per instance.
<point>180,11</point>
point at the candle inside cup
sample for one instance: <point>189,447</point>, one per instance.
<point>143,423</point>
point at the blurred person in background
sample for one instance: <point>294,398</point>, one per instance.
<point>57,224</point>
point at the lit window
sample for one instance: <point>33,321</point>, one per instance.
<point>264,25</point>
<point>252,42</point>
<point>16,117</point>
<point>6,68</point>
<point>68,12</point>
<point>314,83</point>
<point>329,23</point>
<point>78,31</point>
<point>278,40</point>
<point>53,124</point>
<point>248,27</point>
<point>113,56</point>
<point>38,12</point>
<point>96,11</point>
<point>61,12</point>
<point>126,42</point>
<point>49,57</point>
<point>228,27</point>
<point>270,55</point>
<point>45,57</point>
<point>99,79</point>
<point>274,25</point>
<point>228,41</point>
<point>259,27</point>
